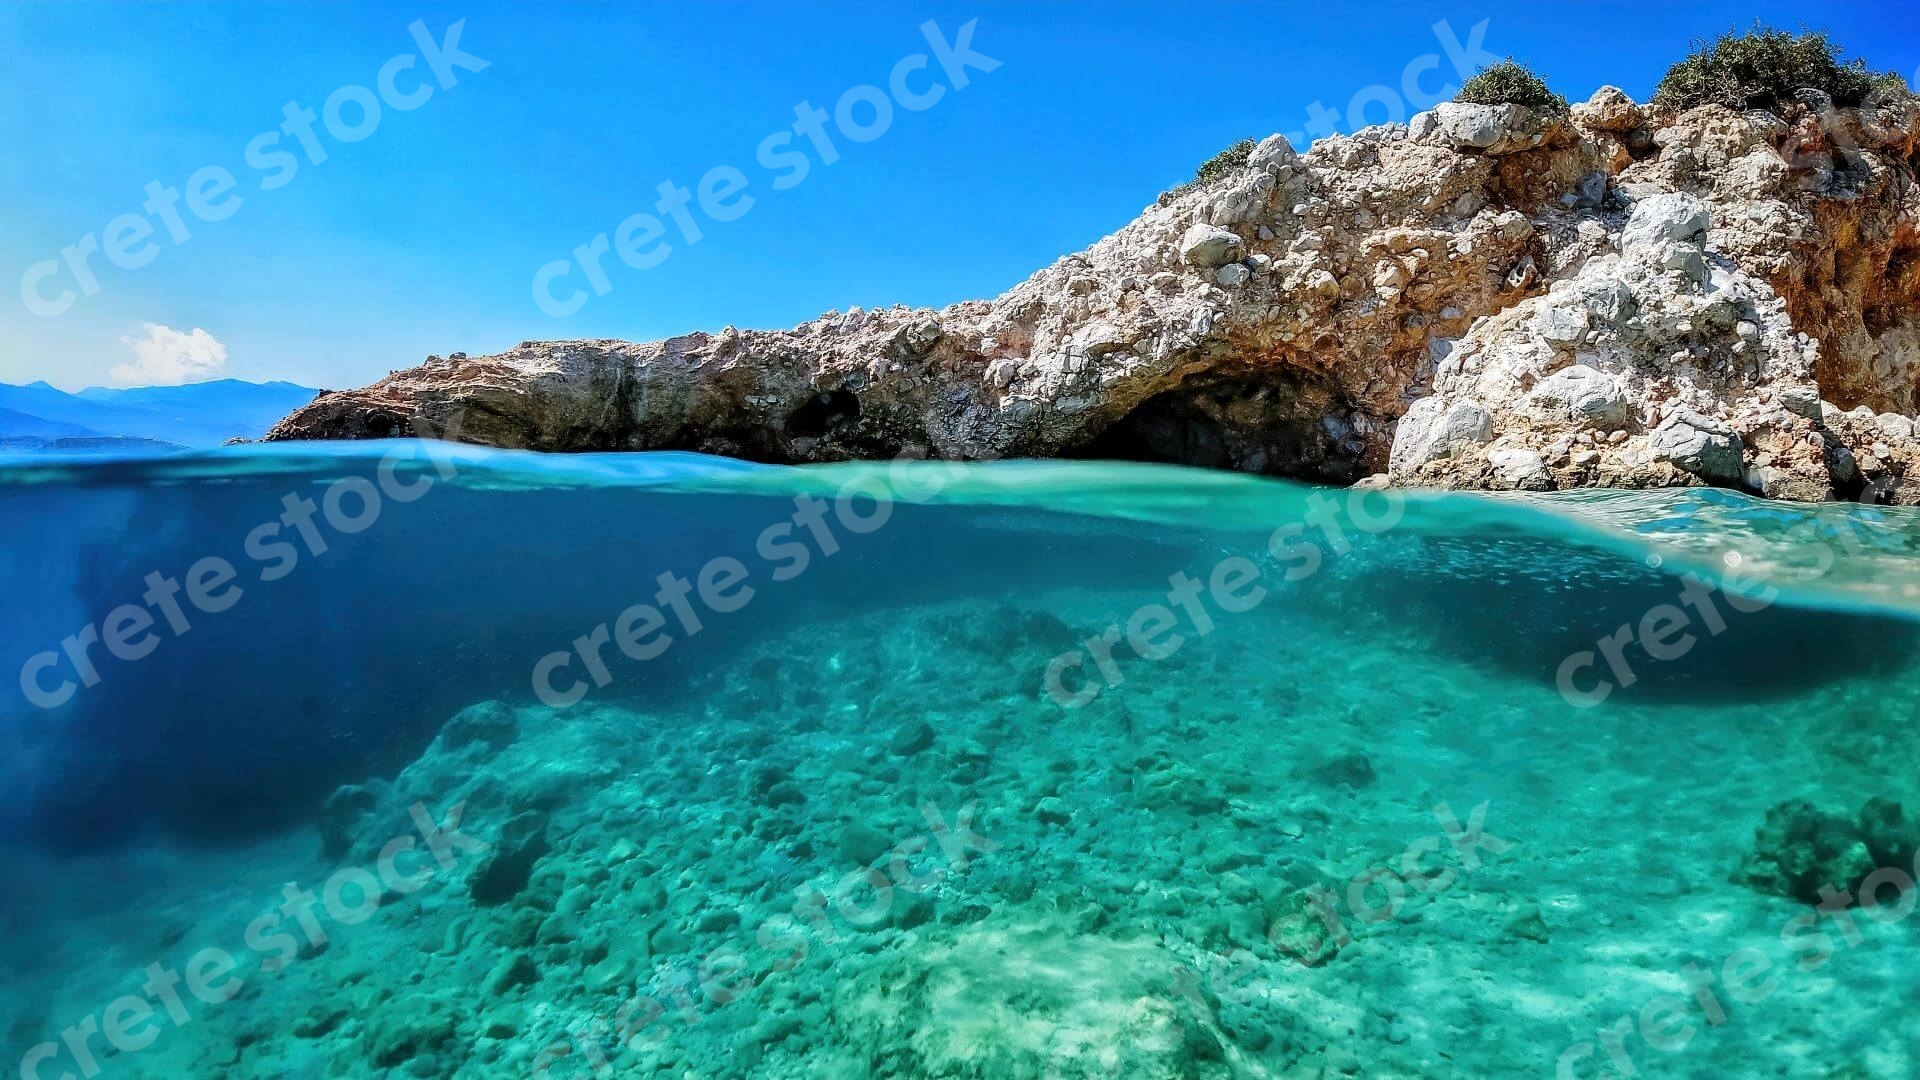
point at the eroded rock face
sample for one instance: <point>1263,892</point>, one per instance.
<point>1484,297</point>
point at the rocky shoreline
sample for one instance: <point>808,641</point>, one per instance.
<point>1485,298</point>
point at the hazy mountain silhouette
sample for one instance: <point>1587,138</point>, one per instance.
<point>194,415</point>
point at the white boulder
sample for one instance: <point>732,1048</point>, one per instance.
<point>1674,215</point>
<point>1701,446</point>
<point>1209,245</point>
<point>1273,154</point>
<point>1433,429</point>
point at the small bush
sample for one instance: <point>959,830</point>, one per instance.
<point>1510,82</point>
<point>1766,68</point>
<point>1889,86</point>
<point>1217,166</point>
<point>1224,162</point>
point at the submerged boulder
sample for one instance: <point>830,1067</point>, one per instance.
<point>344,818</point>
<point>503,872</point>
<point>1891,837</point>
<point>1352,769</point>
<point>1801,849</point>
<point>490,724</point>
<point>1031,998</point>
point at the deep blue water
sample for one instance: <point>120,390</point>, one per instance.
<point>348,663</point>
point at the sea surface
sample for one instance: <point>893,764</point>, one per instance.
<point>400,759</point>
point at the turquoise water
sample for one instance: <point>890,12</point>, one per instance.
<point>356,761</point>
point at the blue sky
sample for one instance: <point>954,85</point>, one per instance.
<point>425,235</point>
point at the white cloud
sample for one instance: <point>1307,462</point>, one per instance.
<point>169,357</point>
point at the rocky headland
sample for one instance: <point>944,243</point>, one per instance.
<point>1487,297</point>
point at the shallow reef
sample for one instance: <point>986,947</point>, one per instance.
<point>875,847</point>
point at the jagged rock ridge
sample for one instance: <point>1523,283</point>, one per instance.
<point>1482,298</point>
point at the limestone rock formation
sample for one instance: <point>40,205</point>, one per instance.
<point>1485,298</point>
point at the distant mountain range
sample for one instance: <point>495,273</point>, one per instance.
<point>149,418</point>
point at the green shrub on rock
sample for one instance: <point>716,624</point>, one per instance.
<point>1217,166</point>
<point>1889,86</point>
<point>1224,162</point>
<point>1766,68</point>
<point>1510,82</point>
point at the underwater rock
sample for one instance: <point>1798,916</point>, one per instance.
<point>504,871</point>
<point>1801,849</point>
<point>909,909</point>
<point>762,778</point>
<point>668,940</point>
<point>1031,998</point>
<point>344,817</point>
<point>1175,786</point>
<point>1302,915</point>
<point>501,1022</point>
<point>911,738</point>
<point>1044,632</point>
<point>1299,937</point>
<point>490,723</point>
<point>1353,769</point>
<point>1528,924</point>
<point>319,1021</point>
<point>409,1026</point>
<point>785,793</point>
<point>515,970</point>
<point>861,844</point>
<point>771,785</point>
<point>1890,836</point>
<point>1008,631</point>
<point>970,761</point>
<point>615,970</point>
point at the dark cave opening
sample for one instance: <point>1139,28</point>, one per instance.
<point>823,412</point>
<point>1266,424</point>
